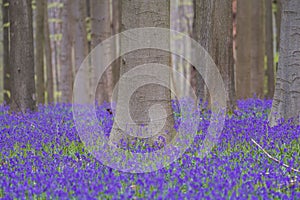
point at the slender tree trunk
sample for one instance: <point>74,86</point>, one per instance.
<point>287,96</point>
<point>269,49</point>
<point>137,14</point>
<point>66,80</point>
<point>48,56</point>
<point>278,25</point>
<point>116,20</point>
<point>80,45</point>
<point>100,30</point>
<point>39,51</point>
<point>250,48</point>
<point>243,46</point>
<point>6,68</point>
<point>258,48</point>
<point>214,32</point>
<point>21,56</point>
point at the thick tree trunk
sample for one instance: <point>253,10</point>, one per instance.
<point>287,92</point>
<point>6,68</point>
<point>66,75</point>
<point>21,56</point>
<point>48,56</point>
<point>269,48</point>
<point>39,51</point>
<point>137,14</point>
<point>214,32</point>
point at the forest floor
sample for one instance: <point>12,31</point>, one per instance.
<point>42,157</point>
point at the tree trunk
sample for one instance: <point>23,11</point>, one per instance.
<point>287,96</point>
<point>21,56</point>
<point>80,45</point>
<point>116,20</point>
<point>214,32</point>
<point>243,46</point>
<point>250,48</point>
<point>258,48</point>
<point>100,30</point>
<point>269,48</point>
<point>137,14</point>
<point>66,80</point>
<point>39,51</point>
<point>6,68</point>
<point>48,56</point>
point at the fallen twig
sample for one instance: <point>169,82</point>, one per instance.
<point>274,159</point>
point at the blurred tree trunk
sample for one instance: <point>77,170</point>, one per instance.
<point>48,56</point>
<point>258,48</point>
<point>154,13</point>
<point>100,30</point>
<point>269,48</point>
<point>278,25</point>
<point>213,28</point>
<point>287,92</point>
<point>250,48</point>
<point>243,46</point>
<point>278,22</point>
<point>66,75</point>
<point>21,56</point>
<point>39,51</point>
<point>116,20</point>
<point>80,39</point>
<point>6,68</point>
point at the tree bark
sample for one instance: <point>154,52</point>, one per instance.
<point>80,45</point>
<point>21,56</point>
<point>258,48</point>
<point>48,56</point>
<point>214,32</point>
<point>39,51</point>
<point>269,48</point>
<point>250,48</point>
<point>6,68</point>
<point>287,92</point>
<point>137,14</point>
<point>66,80</point>
<point>100,30</point>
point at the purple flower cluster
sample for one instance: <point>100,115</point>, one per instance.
<point>42,157</point>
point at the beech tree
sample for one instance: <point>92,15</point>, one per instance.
<point>213,29</point>
<point>21,56</point>
<point>138,14</point>
<point>287,91</point>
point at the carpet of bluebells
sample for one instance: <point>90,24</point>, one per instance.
<point>42,157</point>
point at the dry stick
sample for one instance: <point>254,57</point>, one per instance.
<point>272,158</point>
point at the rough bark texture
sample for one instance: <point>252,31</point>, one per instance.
<point>48,56</point>
<point>287,92</point>
<point>6,68</point>
<point>21,56</point>
<point>100,30</point>
<point>136,14</point>
<point>66,75</point>
<point>269,49</point>
<point>39,51</point>
<point>213,24</point>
